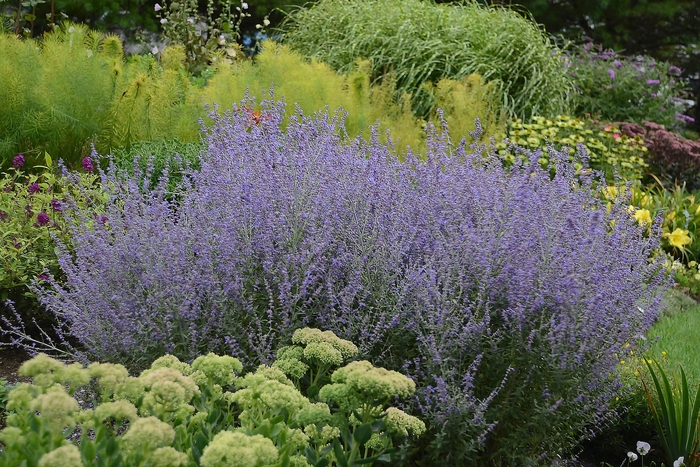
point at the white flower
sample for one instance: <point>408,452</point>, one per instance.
<point>244,5</point>
<point>89,53</point>
<point>632,456</point>
<point>222,40</point>
<point>163,20</point>
<point>679,462</point>
<point>266,22</point>
<point>190,20</point>
<point>157,7</point>
<point>643,448</point>
<point>154,50</point>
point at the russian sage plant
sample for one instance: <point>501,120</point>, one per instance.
<point>504,293</point>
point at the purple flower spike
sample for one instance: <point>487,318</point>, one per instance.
<point>42,219</point>
<point>18,161</point>
<point>33,188</point>
<point>617,64</point>
<point>674,70</point>
<point>43,277</point>
<point>653,82</point>
<point>87,165</point>
<point>611,73</point>
<point>56,205</point>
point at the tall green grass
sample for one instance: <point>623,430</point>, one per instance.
<point>421,41</point>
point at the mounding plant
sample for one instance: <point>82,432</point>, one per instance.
<point>208,413</point>
<point>421,41</point>
<point>504,293</point>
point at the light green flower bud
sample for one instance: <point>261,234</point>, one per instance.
<point>40,364</point>
<point>229,449</point>
<point>273,374</point>
<point>65,456</point>
<point>56,407</point>
<point>171,361</point>
<point>20,397</point>
<point>323,435</point>
<point>342,394</point>
<point>291,367</point>
<point>118,410</point>
<point>375,442</point>
<point>109,375</point>
<point>376,383</point>
<point>297,439</point>
<point>323,352</point>
<point>221,369</point>
<point>168,457</point>
<point>313,414</point>
<point>199,378</point>
<point>398,421</point>
<point>74,375</point>
<point>131,389</point>
<point>148,431</point>
<point>298,460</point>
<point>292,352</point>
<point>307,336</point>
<point>11,435</point>
<point>159,382</point>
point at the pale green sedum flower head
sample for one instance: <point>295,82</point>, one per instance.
<point>148,431</point>
<point>168,457</point>
<point>117,410</point>
<point>378,383</point>
<point>65,456</point>
<point>313,413</point>
<point>324,353</point>
<point>308,336</point>
<point>292,367</point>
<point>45,371</point>
<point>56,407</point>
<point>229,449</point>
<point>109,375</point>
<point>11,435</point>
<point>221,369</point>
<point>398,421</point>
<point>170,361</point>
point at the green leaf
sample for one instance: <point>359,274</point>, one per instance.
<point>47,159</point>
<point>339,454</point>
<point>363,433</point>
<point>312,391</point>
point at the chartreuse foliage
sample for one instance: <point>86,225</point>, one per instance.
<point>421,41</point>
<point>75,87</point>
<point>609,150</point>
<point>208,413</point>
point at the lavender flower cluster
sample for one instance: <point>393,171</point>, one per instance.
<point>473,279</point>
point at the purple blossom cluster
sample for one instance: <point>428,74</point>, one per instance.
<point>486,285</point>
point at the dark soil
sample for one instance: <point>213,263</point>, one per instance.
<point>10,361</point>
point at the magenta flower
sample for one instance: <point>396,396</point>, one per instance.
<point>33,188</point>
<point>653,81</point>
<point>687,118</point>
<point>42,277</point>
<point>674,70</point>
<point>18,161</point>
<point>42,219</point>
<point>3,215</point>
<point>87,165</point>
<point>56,205</point>
<point>611,73</point>
<point>617,64</point>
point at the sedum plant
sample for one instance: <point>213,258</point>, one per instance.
<point>199,414</point>
<point>504,293</point>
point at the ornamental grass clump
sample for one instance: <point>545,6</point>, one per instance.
<point>421,41</point>
<point>504,293</point>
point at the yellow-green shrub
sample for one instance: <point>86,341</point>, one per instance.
<point>605,144</point>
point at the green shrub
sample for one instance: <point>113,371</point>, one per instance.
<point>32,210</point>
<point>204,413</point>
<point>420,41</point>
<point>625,89</point>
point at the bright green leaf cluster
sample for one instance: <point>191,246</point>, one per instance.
<point>605,144</point>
